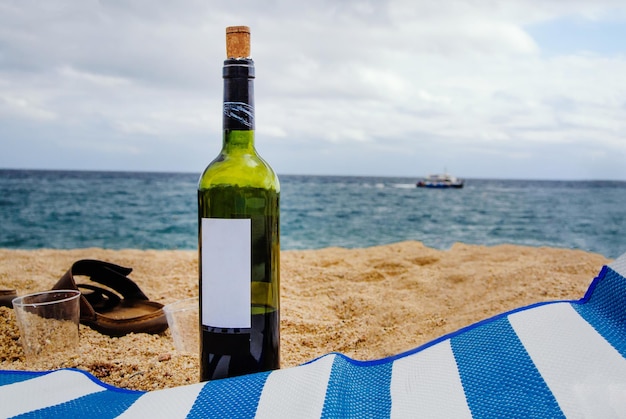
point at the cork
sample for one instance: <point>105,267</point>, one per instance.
<point>237,42</point>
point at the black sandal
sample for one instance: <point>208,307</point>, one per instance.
<point>117,310</point>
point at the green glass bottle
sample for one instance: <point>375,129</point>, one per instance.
<point>238,236</point>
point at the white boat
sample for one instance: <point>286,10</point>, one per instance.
<point>440,181</point>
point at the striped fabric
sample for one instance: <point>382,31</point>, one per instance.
<point>549,360</point>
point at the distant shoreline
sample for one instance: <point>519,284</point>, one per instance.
<point>348,176</point>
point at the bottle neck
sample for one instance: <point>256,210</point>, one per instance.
<point>238,120</point>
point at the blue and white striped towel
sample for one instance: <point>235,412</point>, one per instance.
<point>558,359</point>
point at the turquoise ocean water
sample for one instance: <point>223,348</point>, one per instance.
<point>72,209</point>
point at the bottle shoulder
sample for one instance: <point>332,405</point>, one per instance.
<point>243,170</point>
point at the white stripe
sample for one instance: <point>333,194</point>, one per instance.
<point>427,384</point>
<point>585,373</point>
<point>619,265</point>
<point>45,391</point>
<point>296,392</point>
<point>175,402</point>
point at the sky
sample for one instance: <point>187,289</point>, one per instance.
<point>515,89</point>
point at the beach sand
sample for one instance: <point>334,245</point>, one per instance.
<point>365,303</point>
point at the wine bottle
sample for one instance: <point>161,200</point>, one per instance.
<point>238,236</point>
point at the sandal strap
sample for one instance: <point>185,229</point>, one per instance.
<point>111,275</point>
<point>108,274</point>
<point>101,299</point>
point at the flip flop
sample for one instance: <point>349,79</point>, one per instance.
<point>117,310</point>
<point>6,298</point>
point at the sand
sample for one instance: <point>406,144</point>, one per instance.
<point>366,303</point>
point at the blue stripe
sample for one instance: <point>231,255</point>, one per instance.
<point>358,389</point>
<point>236,397</point>
<point>12,377</point>
<point>102,405</point>
<point>603,308</point>
<point>498,376</point>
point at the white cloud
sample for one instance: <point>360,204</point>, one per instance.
<point>92,78</point>
<point>22,107</point>
<point>340,85</point>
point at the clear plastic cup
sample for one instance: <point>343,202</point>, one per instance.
<point>48,323</point>
<point>184,324</point>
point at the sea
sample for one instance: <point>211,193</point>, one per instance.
<point>118,210</point>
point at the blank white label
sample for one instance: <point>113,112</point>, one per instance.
<point>226,270</point>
